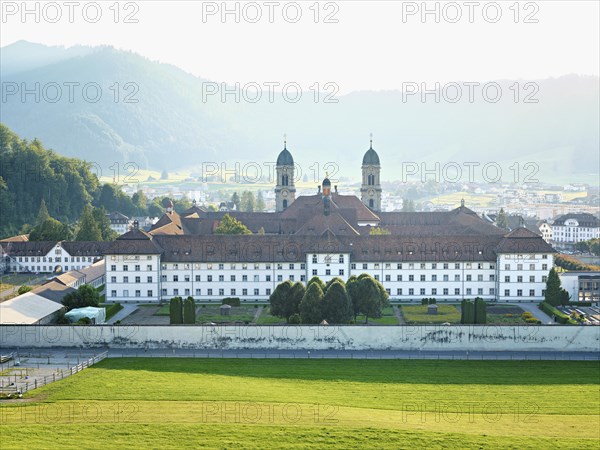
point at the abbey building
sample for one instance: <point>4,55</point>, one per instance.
<point>447,255</point>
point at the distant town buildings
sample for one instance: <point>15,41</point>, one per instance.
<point>569,229</point>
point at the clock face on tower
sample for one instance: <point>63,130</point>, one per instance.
<point>284,193</point>
<point>371,192</point>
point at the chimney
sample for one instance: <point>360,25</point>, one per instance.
<point>136,225</point>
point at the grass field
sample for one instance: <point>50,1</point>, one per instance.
<point>214,403</point>
<point>418,314</point>
<point>388,317</point>
<point>15,280</point>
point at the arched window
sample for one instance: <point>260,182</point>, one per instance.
<point>284,180</point>
<point>285,204</point>
<point>371,180</point>
<point>371,203</point>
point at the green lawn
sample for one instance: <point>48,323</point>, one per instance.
<point>212,313</point>
<point>15,280</point>
<point>111,309</point>
<point>418,314</point>
<point>388,317</point>
<point>267,319</point>
<point>244,403</point>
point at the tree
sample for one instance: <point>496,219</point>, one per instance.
<point>337,306</point>
<point>317,280</point>
<point>291,305</point>
<point>312,304</point>
<point>230,225</point>
<point>377,231</point>
<point>553,289</point>
<point>261,231</point>
<point>85,295</point>
<point>502,220</point>
<point>140,202</point>
<point>353,290</point>
<point>235,199</point>
<point>372,296</point>
<point>176,311</point>
<point>247,202</point>
<point>50,230</point>
<point>103,222</point>
<point>88,228</point>
<point>467,312</point>
<point>189,311</point>
<point>480,311</point>
<point>42,213</point>
<point>278,298</point>
<point>23,289</point>
<point>408,205</point>
<point>260,202</point>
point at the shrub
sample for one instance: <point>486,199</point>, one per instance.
<point>295,319</point>
<point>559,316</point>
<point>432,301</point>
<point>23,289</point>
<point>231,301</point>
<point>176,311</point>
<point>189,311</point>
<point>424,301</point>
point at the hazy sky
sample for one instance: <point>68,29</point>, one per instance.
<point>373,45</point>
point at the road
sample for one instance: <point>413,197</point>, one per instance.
<point>537,312</point>
<point>126,311</point>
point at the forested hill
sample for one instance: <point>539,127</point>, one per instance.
<point>30,173</point>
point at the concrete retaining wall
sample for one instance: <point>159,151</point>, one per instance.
<point>440,338</point>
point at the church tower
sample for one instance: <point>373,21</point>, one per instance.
<point>370,189</point>
<point>285,191</point>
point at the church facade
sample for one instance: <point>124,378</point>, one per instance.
<point>450,255</point>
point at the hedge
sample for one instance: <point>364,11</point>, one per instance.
<point>559,316</point>
<point>231,301</point>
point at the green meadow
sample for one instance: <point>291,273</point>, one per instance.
<point>266,403</point>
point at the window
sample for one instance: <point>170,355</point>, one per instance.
<point>399,267</point>
<point>353,266</point>
<point>126,293</point>
<point>479,291</point>
<point>175,277</point>
<point>544,256</point>
<point>411,278</point>
<point>291,266</point>
<point>221,291</point>
<point>113,293</point>
<point>388,266</point>
<point>327,271</point>
<point>492,291</point>
<point>422,278</point>
<point>279,278</point>
<point>221,266</point>
<point>532,278</point>
<point>468,291</point>
<point>138,279</point>
<point>303,266</point>
<point>445,266</point>
<point>221,277</point>
<point>411,291</point>
<point>244,291</point>
<point>256,278</point>
<point>434,291</point>
<point>507,292</point>
<point>519,292</point>
<point>479,277</point>
<point>468,265</point>
<point>149,267</point>
<point>137,267</point>
<point>445,277</point>
<point>232,266</point>
<point>209,278</point>
<point>341,259</point>
<point>197,277</point>
<point>175,291</point>
<point>445,291</point>
<point>492,277</point>
<point>457,266</point>
<point>399,278</point>
<point>138,293</point>
<point>456,291</point>
<point>423,266</point>
<point>506,266</point>
<point>365,266</point>
<point>268,277</point>
<point>341,272</point>
<point>398,291</point>
<point>544,266</point>
<point>163,278</point>
<point>376,277</point>
<point>125,279</point>
<point>186,278</point>
<point>507,279</point>
<point>376,266</point>
<point>519,279</point>
<point>198,292</point>
<point>433,277</point>
<point>244,277</point>
<point>422,291</point>
<point>163,292</point>
<point>267,291</point>
<point>388,278</point>
<point>468,277</point>
<point>279,266</point>
<point>292,278</point>
<point>531,266</point>
<point>314,259</point>
<point>209,292</point>
<point>544,279</point>
<point>268,266</point>
<point>434,266</point>
<point>532,292</point>
<point>232,292</point>
<point>232,278</point>
<point>256,291</point>
<point>519,266</point>
<point>302,278</point>
<point>113,279</point>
